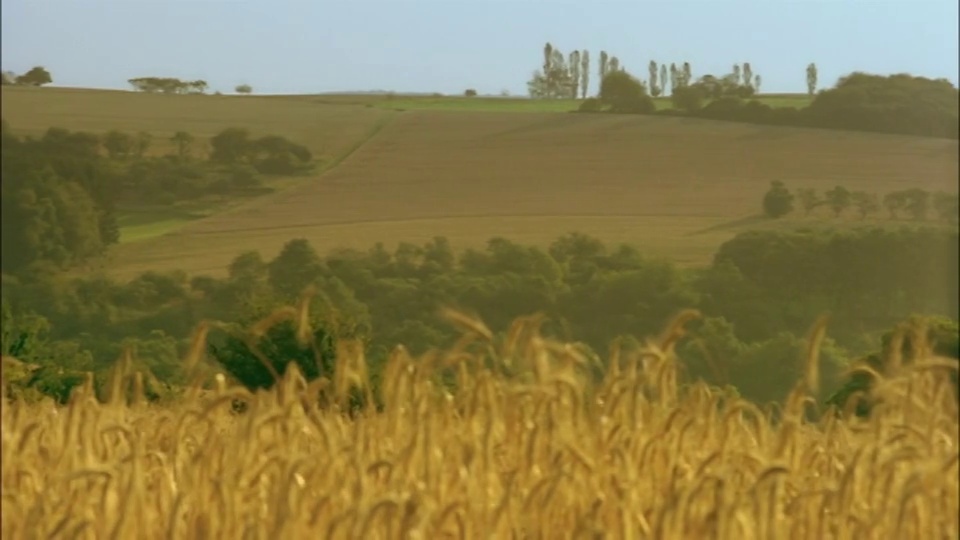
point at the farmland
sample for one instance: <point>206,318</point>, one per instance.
<point>406,168</point>
<point>631,456</point>
<point>571,439</point>
<point>674,187</point>
<point>330,131</point>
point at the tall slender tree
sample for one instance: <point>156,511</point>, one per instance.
<point>756,83</point>
<point>613,64</point>
<point>747,74</point>
<point>547,58</point>
<point>674,78</point>
<point>655,86</point>
<point>604,60</point>
<point>664,82</point>
<point>735,74</point>
<point>811,78</point>
<point>584,72</point>
<point>687,74</point>
<point>574,66</point>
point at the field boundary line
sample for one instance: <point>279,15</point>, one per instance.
<point>385,119</point>
<point>441,218</point>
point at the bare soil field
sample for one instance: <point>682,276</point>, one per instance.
<point>674,187</point>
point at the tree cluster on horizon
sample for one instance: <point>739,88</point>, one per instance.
<point>36,76</point>
<point>167,85</point>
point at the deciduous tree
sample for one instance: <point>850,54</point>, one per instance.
<point>865,203</point>
<point>625,94</point>
<point>664,79</point>
<point>747,73</point>
<point>811,79</point>
<point>574,66</point>
<point>778,201</point>
<point>584,73</point>
<point>655,86</point>
<point>37,76</point>
<point>839,199</point>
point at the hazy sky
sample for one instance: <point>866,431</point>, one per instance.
<point>283,46</point>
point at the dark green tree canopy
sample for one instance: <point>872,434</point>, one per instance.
<point>624,93</point>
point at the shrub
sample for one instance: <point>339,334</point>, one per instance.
<point>591,105</point>
<point>778,201</point>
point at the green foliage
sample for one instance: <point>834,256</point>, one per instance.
<point>243,89</point>
<point>778,201</point>
<point>839,199</point>
<point>687,98</point>
<point>865,203</point>
<point>167,85</point>
<point>941,334</point>
<point>623,93</point>
<point>118,145</point>
<point>555,80</point>
<point>762,371</point>
<point>271,154</point>
<point>809,200</point>
<point>37,76</point>
<point>763,289</point>
<point>246,357</point>
<point>60,194</point>
<point>470,92</point>
<point>591,105</point>
<point>893,104</point>
<point>866,278</point>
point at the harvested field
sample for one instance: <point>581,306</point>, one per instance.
<point>668,185</point>
<point>327,130</point>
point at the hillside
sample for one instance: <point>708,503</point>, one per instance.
<point>675,187</point>
<point>326,129</point>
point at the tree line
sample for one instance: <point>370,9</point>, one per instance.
<point>61,192</point>
<point>900,104</point>
<point>167,85</point>
<point>568,76</point>
<point>173,85</point>
<point>756,303</point>
<point>914,203</point>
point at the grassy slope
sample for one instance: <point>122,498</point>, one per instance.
<point>676,187</point>
<point>329,131</point>
<point>506,104</point>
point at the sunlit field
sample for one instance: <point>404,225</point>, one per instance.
<point>524,441</point>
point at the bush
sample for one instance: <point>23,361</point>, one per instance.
<point>470,92</point>
<point>625,94</point>
<point>778,201</point>
<point>590,105</point>
<point>280,347</point>
<point>725,108</point>
<point>687,98</point>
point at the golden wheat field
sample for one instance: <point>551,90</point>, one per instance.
<point>666,185</point>
<point>544,452</point>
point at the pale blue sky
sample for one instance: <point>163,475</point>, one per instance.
<point>282,46</point>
